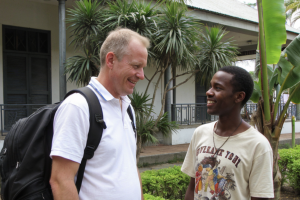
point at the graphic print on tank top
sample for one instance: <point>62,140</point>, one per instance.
<point>213,182</point>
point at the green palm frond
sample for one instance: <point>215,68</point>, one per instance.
<point>292,7</point>
<point>215,52</point>
<point>80,69</point>
<point>118,14</point>
<point>137,16</point>
<point>146,128</point>
<point>139,102</point>
<point>177,35</point>
<point>292,4</point>
<point>165,126</point>
<point>84,22</point>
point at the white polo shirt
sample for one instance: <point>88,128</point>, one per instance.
<point>112,173</point>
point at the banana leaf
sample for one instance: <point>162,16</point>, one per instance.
<point>289,64</point>
<point>274,25</point>
<point>272,77</point>
<point>256,92</point>
<point>294,92</point>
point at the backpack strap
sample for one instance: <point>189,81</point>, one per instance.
<point>97,125</point>
<point>129,111</point>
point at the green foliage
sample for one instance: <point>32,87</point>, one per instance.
<point>289,166</point>
<point>284,146</point>
<point>274,28</point>
<point>252,5</point>
<point>84,21</point>
<point>85,24</point>
<point>176,37</point>
<point>289,73</point>
<point>146,128</point>
<point>294,174</point>
<point>294,93</point>
<point>272,80</point>
<point>150,197</point>
<point>138,16</point>
<point>286,74</point>
<point>214,52</point>
<point>81,68</point>
<point>292,9</point>
<point>168,183</point>
<point>256,94</point>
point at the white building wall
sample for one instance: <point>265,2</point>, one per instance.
<point>287,127</point>
<point>182,136</point>
<point>186,92</point>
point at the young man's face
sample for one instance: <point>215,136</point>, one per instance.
<point>128,71</point>
<point>220,97</point>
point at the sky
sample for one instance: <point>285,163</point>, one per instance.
<point>249,65</point>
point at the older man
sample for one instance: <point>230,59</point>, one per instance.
<point>112,173</point>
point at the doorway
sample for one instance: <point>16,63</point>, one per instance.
<point>26,72</point>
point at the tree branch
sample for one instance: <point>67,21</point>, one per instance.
<point>150,80</point>
<point>156,85</point>
<point>146,77</point>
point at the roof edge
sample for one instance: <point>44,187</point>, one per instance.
<point>287,26</point>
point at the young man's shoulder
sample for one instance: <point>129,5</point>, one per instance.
<point>204,128</point>
<point>256,140</point>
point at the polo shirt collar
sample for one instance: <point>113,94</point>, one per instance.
<point>102,91</point>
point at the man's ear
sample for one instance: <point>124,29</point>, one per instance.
<point>110,56</point>
<point>240,96</point>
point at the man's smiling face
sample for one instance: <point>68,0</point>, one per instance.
<point>130,69</point>
<point>220,97</point>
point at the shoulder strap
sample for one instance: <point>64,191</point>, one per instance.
<point>129,111</point>
<point>97,125</point>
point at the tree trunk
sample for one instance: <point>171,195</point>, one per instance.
<point>276,172</point>
<point>138,148</point>
<point>258,120</point>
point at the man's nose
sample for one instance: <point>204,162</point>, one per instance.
<point>209,92</point>
<point>140,74</point>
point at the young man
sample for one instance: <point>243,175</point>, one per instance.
<point>112,173</point>
<point>229,159</point>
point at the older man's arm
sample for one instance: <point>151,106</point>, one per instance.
<point>62,179</point>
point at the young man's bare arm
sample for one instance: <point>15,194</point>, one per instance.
<point>189,195</point>
<point>62,179</point>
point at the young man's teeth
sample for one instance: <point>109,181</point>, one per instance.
<point>210,102</point>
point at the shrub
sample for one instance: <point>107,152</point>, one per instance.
<point>289,166</point>
<point>169,183</point>
<point>150,197</point>
<point>294,175</point>
<point>284,146</point>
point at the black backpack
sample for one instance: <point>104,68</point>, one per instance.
<point>25,161</point>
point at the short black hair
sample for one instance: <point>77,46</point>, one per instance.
<point>241,81</point>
